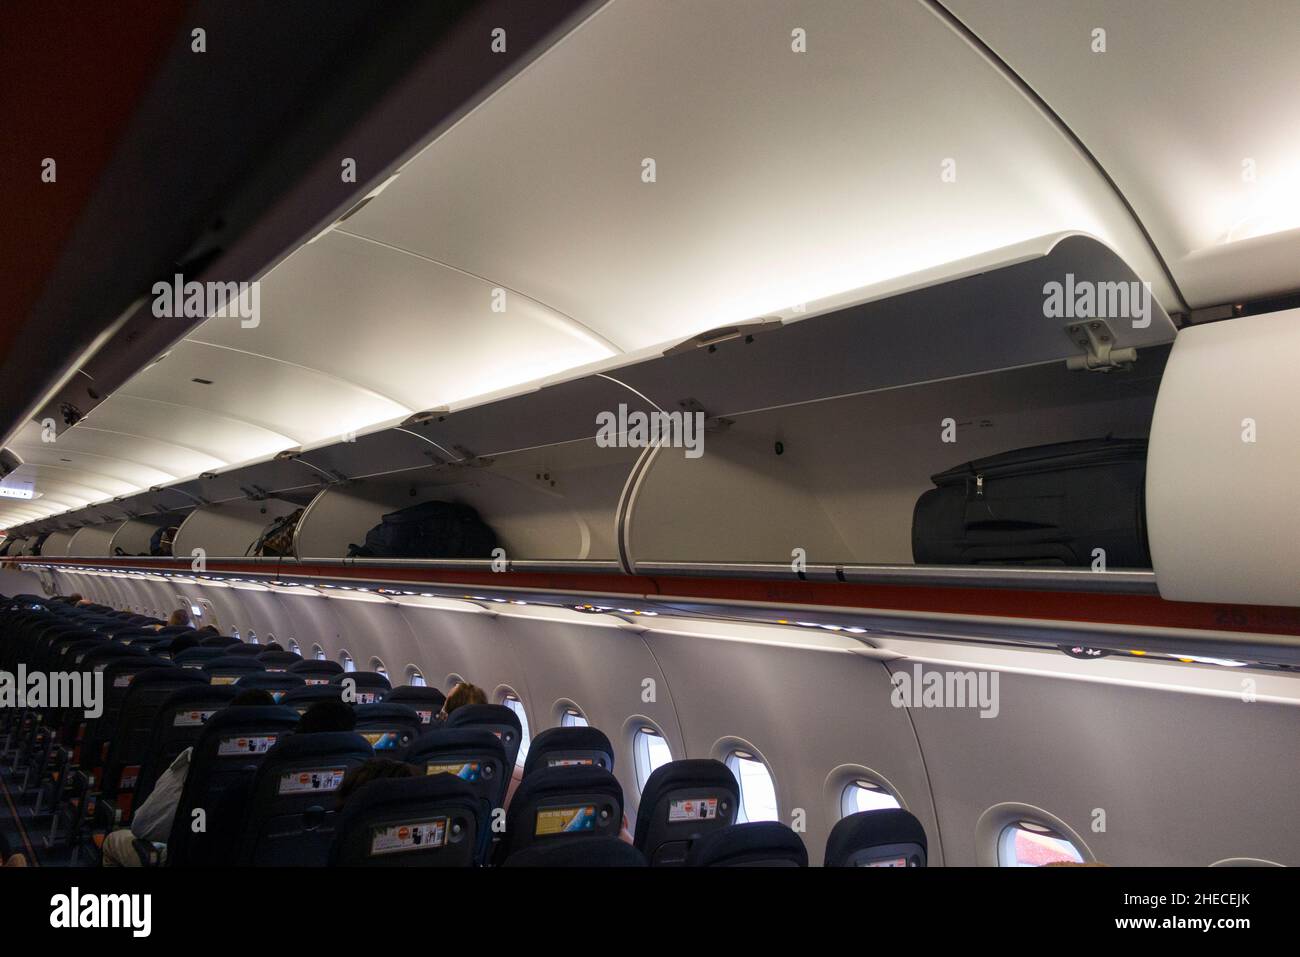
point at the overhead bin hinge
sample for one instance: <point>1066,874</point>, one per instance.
<point>1098,342</point>
<point>468,460</point>
<point>712,423</point>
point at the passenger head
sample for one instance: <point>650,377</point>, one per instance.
<point>373,770</point>
<point>73,599</point>
<point>253,697</point>
<point>327,716</point>
<point>209,630</point>
<point>181,616</point>
<point>464,693</point>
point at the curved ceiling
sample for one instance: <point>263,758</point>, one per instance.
<point>525,242</point>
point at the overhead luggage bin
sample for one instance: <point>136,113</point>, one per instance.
<point>93,541</point>
<point>229,529</point>
<point>832,428</point>
<point>56,544</point>
<point>1223,460</point>
<point>135,535</point>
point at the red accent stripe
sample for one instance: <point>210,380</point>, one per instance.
<point>1066,606</point>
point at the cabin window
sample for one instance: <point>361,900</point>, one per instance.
<point>1029,844</point>
<point>864,795</point>
<point>650,750</point>
<point>346,660</point>
<point>414,678</point>
<point>573,718</point>
<point>757,789</point>
<point>295,648</point>
<point>252,637</point>
<point>453,679</point>
<point>511,701</point>
<point>378,667</point>
<point>318,653</point>
<point>234,633</point>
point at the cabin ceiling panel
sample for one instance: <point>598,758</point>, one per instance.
<point>780,177</point>
<point>418,332</point>
<point>277,396</point>
<point>1210,89</point>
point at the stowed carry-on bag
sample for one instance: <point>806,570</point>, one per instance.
<point>1048,505</point>
<point>428,530</point>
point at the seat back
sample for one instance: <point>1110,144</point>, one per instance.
<point>496,718</point>
<point>228,669</point>
<point>129,745</point>
<point>197,657</point>
<point>279,683</point>
<point>426,701</point>
<point>683,801</point>
<point>756,844</point>
<point>366,687</point>
<point>178,724</point>
<point>278,660</point>
<point>390,728</point>
<point>242,650</point>
<point>316,672</point>
<point>431,821</point>
<point>569,747</point>
<point>560,803</point>
<point>294,801</point>
<point>300,699</point>
<point>888,837</point>
<point>475,755</point>
<point>231,747</point>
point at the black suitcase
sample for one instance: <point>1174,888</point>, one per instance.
<point>1050,505</point>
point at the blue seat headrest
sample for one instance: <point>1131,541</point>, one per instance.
<point>564,802</point>
<point>584,746</point>
<point>579,852</point>
<point>756,844</point>
<point>888,837</point>
<point>298,746</point>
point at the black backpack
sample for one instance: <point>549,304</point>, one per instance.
<point>161,542</point>
<point>428,530</point>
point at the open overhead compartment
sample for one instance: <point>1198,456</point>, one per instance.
<point>135,536</point>
<point>230,529</point>
<point>93,541</point>
<point>56,543</point>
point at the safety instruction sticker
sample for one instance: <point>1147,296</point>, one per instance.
<point>247,744</point>
<point>417,835</point>
<point>692,809</point>
<point>123,681</point>
<point>189,719</point>
<point>466,771</point>
<point>320,779</point>
<point>565,820</point>
<point>223,679</point>
<point>569,762</point>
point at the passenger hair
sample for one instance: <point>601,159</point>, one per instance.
<point>181,616</point>
<point>464,693</point>
<point>328,715</point>
<point>373,770</point>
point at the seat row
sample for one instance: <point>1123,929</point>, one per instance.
<point>258,792</point>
